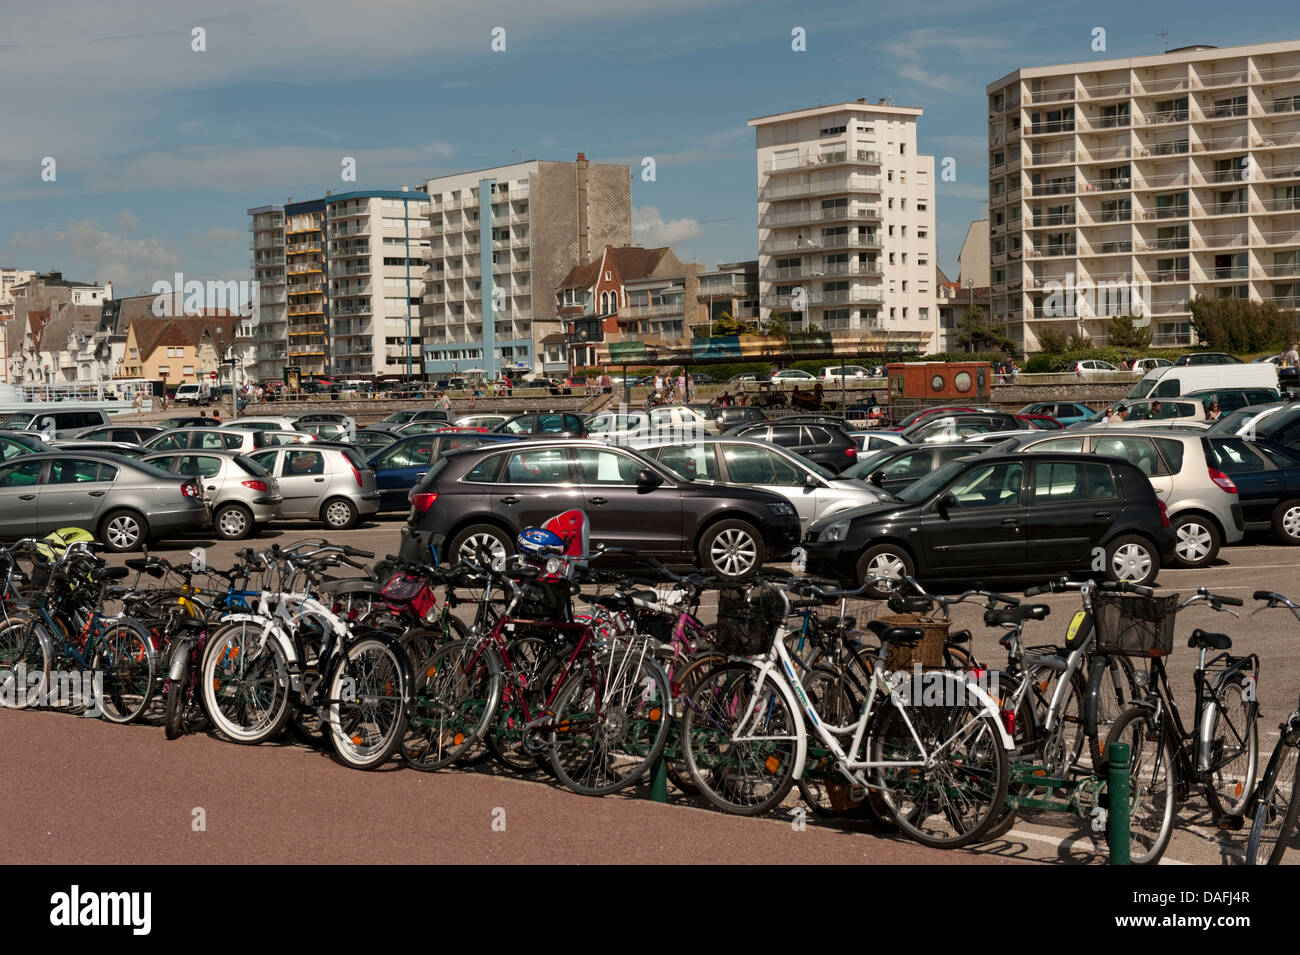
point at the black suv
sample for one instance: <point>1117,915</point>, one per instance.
<point>1205,358</point>
<point>1002,516</point>
<point>484,496</point>
<point>822,443</point>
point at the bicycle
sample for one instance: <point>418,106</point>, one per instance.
<point>1218,754</point>
<point>1276,805</point>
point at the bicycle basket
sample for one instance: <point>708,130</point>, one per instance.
<point>1134,626</point>
<point>547,600</point>
<point>411,591</point>
<point>748,619</point>
<point>926,652</point>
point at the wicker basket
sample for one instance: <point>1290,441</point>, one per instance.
<point>748,618</point>
<point>1134,626</point>
<point>928,651</point>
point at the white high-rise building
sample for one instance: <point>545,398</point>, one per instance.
<point>846,213</point>
<point>1168,177</point>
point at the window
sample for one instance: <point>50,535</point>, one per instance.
<point>411,455</point>
<point>303,463</point>
<point>1172,451</point>
<point>164,370</point>
<point>750,465</point>
<point>201,464</point>
<point>607,467</point>
<point>908,467</point>
<point>188,371</point>
<point>1073,445</point>
<point>1234,456</point>
<point>1139,451</point>
<point>77,471</point>
<point>785,435</point>
<point>22,474</point>
<point>997,485</point>
<point>485,472</point>
<point>265,460</point>
<point>537,467</point>
<point>169,442</point>
<point>694,461</point>
<point>1059,481</point>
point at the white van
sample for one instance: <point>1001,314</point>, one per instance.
<point>1175,380</point>
<point>194,393</point>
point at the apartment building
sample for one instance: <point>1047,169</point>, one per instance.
<point>36,300</point>
<point>1141,183</point>
<point>339,282</point>
<point>973,260</point>
<point>501,241</point>
<point>846,213</point>
<point>9,278</point>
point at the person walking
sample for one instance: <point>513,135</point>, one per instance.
<point>681,385</point>
<point>1293,357</point>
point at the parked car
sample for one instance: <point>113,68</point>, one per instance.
<point>941,411</point>
<point>1093,366</point>
<point>545,423</point>
<point>743,377</point>
<point>1000,516</point>
<point>952,428</point>
<point>1178,380</point>
<point>1231,399</point>
<point>823,444</point>
<point>207,439</point>
<point>1267,476</point>
<point>1200,499</point>
<point>1288,376</point>
<point>242,494</point>
<point>729,417</point>
<point>368,441</point>
<point>1040,421</point>
<point>893,469</point>
<point>107,447</point>
<point>792,374</point>
<point>1066,412</point>
<point>869,441</point>
<point>54,423</point>
<point>405,417</point>
<point>193,394</point>
<point>1143,365</point>
<point>1144,412</point>
<point>1206,358</point>
<point>843,372</point>
<point>485,495</point>
<point>330,483</point>
<point>134,434</point>
<point>1278,422</point>
<point>186,421</point>
<point>400,465</point>
<point>302,420</point>
<point>488,421</point>
<point>14,443</point>
<point>812,490</point>
<point>124,503</point>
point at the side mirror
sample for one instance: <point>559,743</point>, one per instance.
<point>811,482</point>
<point>648,480</point>
<point>945,502</point>
<point>878,478</point>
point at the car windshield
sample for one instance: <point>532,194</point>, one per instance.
<point>868,465</point>
<point>931,483</point>
<point>1143,388</point>
<point>397,417</point>
<point>1231,423</point>
<point>16,422</point>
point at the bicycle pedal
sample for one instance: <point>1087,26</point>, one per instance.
<point>857,792</point>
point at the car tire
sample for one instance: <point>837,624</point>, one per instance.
<point>1286,522</point>
<point>123,530</point>
<point>1132,558</point>
<point>732,550</point>
<point>489,535</point>
<point>233,522</point>
<point>1196,540</point>
<point>883,560</point>
<point>338,514</point>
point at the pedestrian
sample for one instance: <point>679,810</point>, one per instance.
<point>1015,373</point>
<point>690,387</point>
<point>659,383</point>
<point>1293,357</point>
<point>1213,413</point>
<point>216,417</point>
<point>204,415</point>
<point>138,404</point>
<point>444,401</point>
<point>1109,413</point>
<point>681,384</point>
<point>510,387</point>
<point>1121,413</point>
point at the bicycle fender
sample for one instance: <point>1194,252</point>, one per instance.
<point>266,623</point>
<point>180,658</point>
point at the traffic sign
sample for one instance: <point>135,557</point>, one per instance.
<point>212,375</point>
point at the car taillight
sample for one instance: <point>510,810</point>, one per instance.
<point>423,500</point>
<point>355,473</point>
<point>255,485</point>
<point>1164,514</point>
<point>851,451</point>
<point>1221,479</point>
<point>190,489</point>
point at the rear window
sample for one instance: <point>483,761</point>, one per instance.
<point>485,472</point>
<point>1232,455</point>
<point>17,422</point>
<point>355,458</point>
<point>1172,452</point>
<point>249,466</point>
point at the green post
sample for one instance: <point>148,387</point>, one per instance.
<point>659,780</point>
<point>1117,810</point>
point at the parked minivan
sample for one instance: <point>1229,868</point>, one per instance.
<point>1176,380</point>
<point>194,393</point>
<point>58,424</point>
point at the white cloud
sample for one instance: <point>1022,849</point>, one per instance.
<point>650,229</point>
<point>87,253</point>
<point>127,222</point>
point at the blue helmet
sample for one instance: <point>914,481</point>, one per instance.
<point>532,540</point>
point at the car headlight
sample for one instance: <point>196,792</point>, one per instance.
<point>783,509</point>
<point>834,533</point>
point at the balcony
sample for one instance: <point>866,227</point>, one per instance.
<point>788,243</point>
<point>1226,209</point>
<point>1052,158</point>
<point>865,184</point>
<point>298,248</point>
<point>1051,129</point>
<point>307,328</point>
<point>1164,276</point>
<point>727,287</point>
<point>1115,215</point>
<point>352,308</point>
<point>1114,122</point>
<point>1284,204</point>
<point>1054,188</point>
<point>1052,96</point>
<point>1063,218</point>
<point>350,251</point>
<point>661,310</point>
<point>1050,251</point>
<point>316,309</point>
<point>352,291</point>
<point>1283,269</point>
<point>806,160</point>
<point>1122,247</point>
<point>343,231</point>
<point>1221,143</point>
<point>1228,272</point>
<point>842,213</point>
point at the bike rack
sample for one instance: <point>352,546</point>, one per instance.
<point>1082,797</point>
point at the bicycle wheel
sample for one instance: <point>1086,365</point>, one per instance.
<point>1026,735</point>
<point>129,665</point>
<point>681,685</point>
<point>1112,688</point>
<point>610,721</point>
<point>947,791</point>
<point>451,712</point>
<point>24,664</point>
<point>365,714</point>
<point>245,685</point>
<point>740,740</point>
<point>1234,752</point>
<point>535,674</point>
<point>421,643</point>
<point>1153,782</point>
<point>1275,815</point>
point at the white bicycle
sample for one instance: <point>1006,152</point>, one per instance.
<point>932,743</point>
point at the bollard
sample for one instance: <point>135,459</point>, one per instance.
<point>1117,755</point>
<point>659,780</point>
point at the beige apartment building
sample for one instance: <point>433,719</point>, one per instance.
<point>1142,183</point>
<point>846,213</point>
<point>501,241</point>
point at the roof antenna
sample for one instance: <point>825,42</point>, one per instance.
<point>1164,35</point>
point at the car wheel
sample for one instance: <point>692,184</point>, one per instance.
<point>124,531</point>
<point>732,549</point>
<point>884,560</point>
<point>338,514</point>
<point>467,544</point>
<point>1286,522</point>
<point>1196,540</point>
<point>1133,559</point>
<point>233,522</point>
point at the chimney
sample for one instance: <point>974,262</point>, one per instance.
<point>582,157</point>
<point>862,99</point>
<point>328,193</point>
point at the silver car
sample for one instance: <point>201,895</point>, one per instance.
<point>207,439</point>
<point>242,494</point>
<point>123,502</point>
<point>1201,501</point>
<point>329,483</point>
<point>814,491</point>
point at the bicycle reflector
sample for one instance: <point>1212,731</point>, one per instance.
<point>423,500</point>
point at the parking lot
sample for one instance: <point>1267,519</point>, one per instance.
<point>255,797</point>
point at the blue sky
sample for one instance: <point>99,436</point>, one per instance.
<point>159,149</point>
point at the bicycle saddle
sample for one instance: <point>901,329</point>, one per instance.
<point>904,603</point>
<point>1016,615</point>
<point>1211,641</point>
<point>889,633</point>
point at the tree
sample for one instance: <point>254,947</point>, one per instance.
<point>1238,325</point>
<point>1124,333</point>
<point>724,324</point>
<point>1053,342</point>
<point>776,326</point>
<point>975,332</point>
